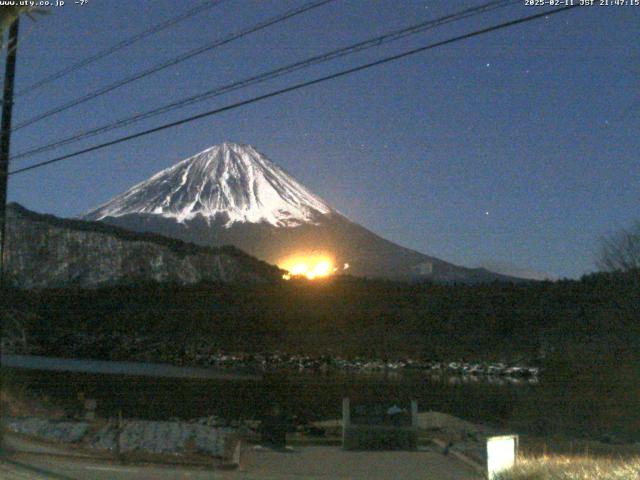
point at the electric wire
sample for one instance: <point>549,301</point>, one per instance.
<point>174,61</point>
<point>295,87</point>
<point>119,46</point>
<point>256,79</point>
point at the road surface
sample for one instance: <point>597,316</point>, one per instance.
<point>306,463</point>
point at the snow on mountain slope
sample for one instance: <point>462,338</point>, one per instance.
<point>231,181</point>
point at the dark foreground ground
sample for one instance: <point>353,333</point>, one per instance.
<point>584,336</point>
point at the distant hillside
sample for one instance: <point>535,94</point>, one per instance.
<point>352,316</point>
<point>46,251</point>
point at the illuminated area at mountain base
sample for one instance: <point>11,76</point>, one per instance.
<point>311,266</point>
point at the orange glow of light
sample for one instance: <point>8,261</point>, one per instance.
<point>310,266</point>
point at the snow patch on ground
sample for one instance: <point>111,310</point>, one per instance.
<point>134,435</point>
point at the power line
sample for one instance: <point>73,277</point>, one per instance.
<point>174,61</point>
<point>119,46</point>
<point>297,86</point>
<point>331,55</point>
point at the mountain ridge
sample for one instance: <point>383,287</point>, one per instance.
<point>224,195</point>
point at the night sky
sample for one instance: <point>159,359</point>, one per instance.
<point>519,148</point>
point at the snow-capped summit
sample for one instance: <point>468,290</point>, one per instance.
<point>230,181</point>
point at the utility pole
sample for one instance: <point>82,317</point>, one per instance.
<point>5,137</point>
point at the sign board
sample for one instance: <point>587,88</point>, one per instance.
<point>379,426</point>
<point>501,454</point>
<point>390,413</point>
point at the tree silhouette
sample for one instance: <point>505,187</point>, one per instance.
<point>621,250</point>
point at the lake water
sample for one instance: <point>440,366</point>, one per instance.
<point>34,362</point>
<point>157,391</point>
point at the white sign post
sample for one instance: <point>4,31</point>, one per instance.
<point>501,454</point>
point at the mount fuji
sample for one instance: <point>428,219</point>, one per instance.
<point>230,194</point>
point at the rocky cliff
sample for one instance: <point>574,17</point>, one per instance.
<point>46,251</point>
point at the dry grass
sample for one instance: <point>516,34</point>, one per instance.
<point>573,468</point>
<point>532,446</point>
